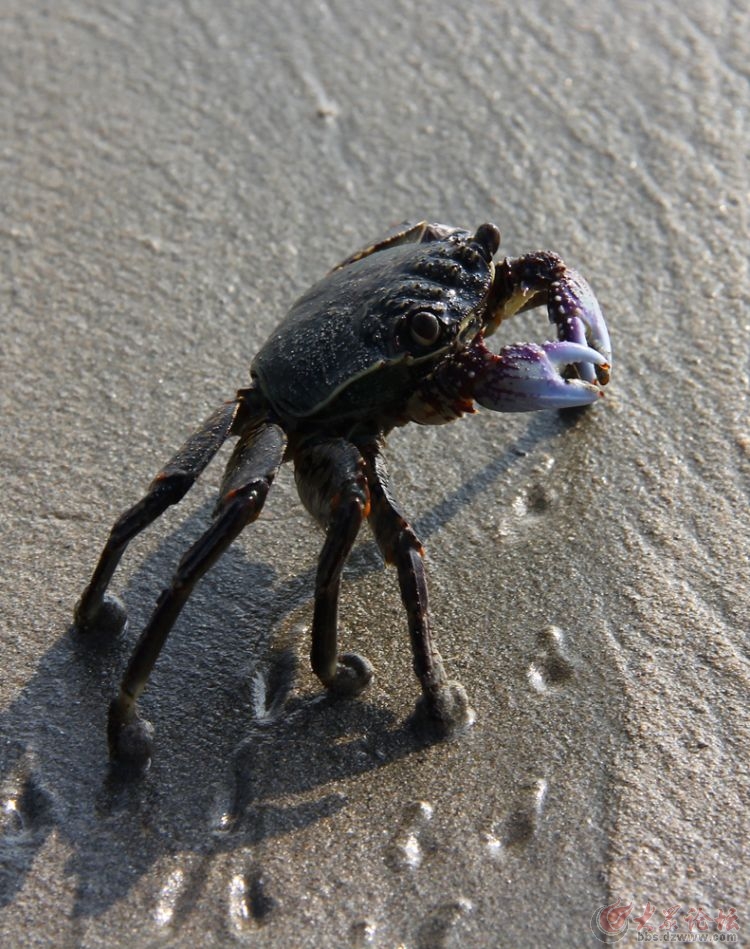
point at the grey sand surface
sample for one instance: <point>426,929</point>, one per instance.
<point>173,175</point>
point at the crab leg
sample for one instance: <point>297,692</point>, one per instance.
<point>522,283</point>
<point>445,702</point>
<point>332,486</point>
<point>247,480</point>
<point>167,488</point>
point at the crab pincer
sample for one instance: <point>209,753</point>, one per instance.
<point>574,309</point>
<point>526,376</point>
<point>561,374</point>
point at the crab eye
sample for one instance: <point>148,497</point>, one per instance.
<point>425,328</point>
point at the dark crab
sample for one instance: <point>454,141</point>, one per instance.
<point>393,334</point>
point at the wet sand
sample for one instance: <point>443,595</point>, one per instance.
<point>173,175</point>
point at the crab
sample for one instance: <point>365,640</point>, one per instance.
<point>393,334</point>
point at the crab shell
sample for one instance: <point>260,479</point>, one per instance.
<point>348,346</point>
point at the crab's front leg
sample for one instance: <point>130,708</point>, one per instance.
<point>523,377</point>
<point>522,283</point>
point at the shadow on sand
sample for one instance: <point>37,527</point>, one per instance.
<point>247,762</point>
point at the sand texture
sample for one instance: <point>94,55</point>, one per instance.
<point>173,175</point>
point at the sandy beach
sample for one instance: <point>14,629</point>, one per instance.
<point>173,176</point>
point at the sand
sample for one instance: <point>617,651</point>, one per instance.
<point>173,175</point>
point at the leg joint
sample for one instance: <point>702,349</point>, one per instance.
<point>352,501</point>
<point>245,500</point>
<point>395,537</point>
<point>170,486</point>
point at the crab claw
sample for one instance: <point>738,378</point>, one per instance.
<point>522,378</point>
<point>527,376</point>
<point>543,278</point>
<point>574,309</point>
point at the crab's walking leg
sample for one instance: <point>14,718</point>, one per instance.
<point>248,477</point>
<point>332,485</point>
<point>445,702</point>
<point>168,487</point>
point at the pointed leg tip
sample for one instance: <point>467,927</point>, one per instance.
<point>110,617</point>
<point>131,742</point>
<point>446,712</point>
<point>353,674</point>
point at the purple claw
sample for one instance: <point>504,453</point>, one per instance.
<point>575,310</point>
<point>526,377</point>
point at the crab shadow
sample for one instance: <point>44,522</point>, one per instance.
<point>245,759</point>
